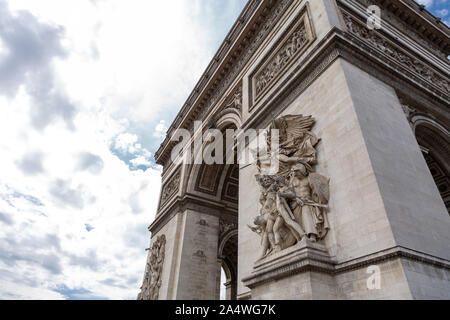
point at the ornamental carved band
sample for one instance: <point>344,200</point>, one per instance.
<point>411,63</point>
<point>170,188</point>
<point>294,201</point>
<point>152,278</point>
<point>293,43</point>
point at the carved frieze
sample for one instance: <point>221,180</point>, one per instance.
<point>293,42</point>
<point>294,199</point>
<point>393,52</point>
<point>171,187</point>
<point>152,278</point>
<point>225,226</point>
<point>240,57</point>
<point>410,26</point>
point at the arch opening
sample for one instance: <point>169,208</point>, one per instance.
<point>435,146</point>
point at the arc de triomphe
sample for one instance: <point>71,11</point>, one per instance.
<point>362,187</point>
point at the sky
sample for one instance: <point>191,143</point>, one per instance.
<point>440,8</point>
<point>87,91</point>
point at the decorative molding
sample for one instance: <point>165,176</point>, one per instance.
<point>294,41</point>
<point>230,111</point>
<point>225,226</point>
<point>193,202</point>
<point>231,59</point>
<point>232,64</point>
<point>307,257</point>
<point>317,61</point>
<point>375,40</point>
<point>390,254</point>
<point>294,198</point>
<point>208,179</point>
<point>230,190</point>
<point>234,101</point>
<point>418,24</point>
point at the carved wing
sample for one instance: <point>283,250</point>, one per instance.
<point>296,125</point>
<point>299,123</point>
<point>291,126</point>
<point>320,186</point>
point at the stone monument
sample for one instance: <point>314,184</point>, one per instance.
<point>350,196</point>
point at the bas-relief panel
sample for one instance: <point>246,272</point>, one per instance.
<point>152,278</point>
<point>171,187</point>
<point>295,40</point>
<point>294,199</point>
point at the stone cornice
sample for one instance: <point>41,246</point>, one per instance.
<point>309,259</point>
<point>213,66</point>
<point>249,30</point>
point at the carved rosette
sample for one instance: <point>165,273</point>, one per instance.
<point>152,278</point>
<point>294,199</point>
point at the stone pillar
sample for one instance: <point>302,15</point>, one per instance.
<point>198,271</point>
<point>411,202</point>
<point>385,210</point>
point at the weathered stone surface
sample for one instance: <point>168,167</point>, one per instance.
<point>379,100</point>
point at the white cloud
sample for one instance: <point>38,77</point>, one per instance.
<point>160,129</point>
<point>126,142</point>
<point>442,13</point>
<point>117,64</point>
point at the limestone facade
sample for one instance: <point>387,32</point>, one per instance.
<point>381,103</point>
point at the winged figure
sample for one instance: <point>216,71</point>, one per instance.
<point>294,198</point>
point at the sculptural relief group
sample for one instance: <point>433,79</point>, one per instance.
<point>294,199</point>
<point>152,277</point>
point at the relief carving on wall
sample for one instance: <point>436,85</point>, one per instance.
<point>293,43</point>
<point>294,200</point>
<point>170,187</point>
<point>412,64</point>
<point>225,226</point>
<point>235,101</point>
<point>152,278</point>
